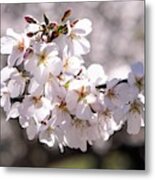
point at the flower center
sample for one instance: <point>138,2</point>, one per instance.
<point>77,123</point>
<point>42,58</point>
<point>82,93</point>
<point>135,107</point>
<point>21,45</point>
<point>139,83</point>
<point>37,101</point>
<point>73,36</point>
<point>65,65</point>
<point>107,112</point>
<point>62,106</point>
<point>111,94</point>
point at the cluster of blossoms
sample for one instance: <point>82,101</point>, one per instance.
<point>55,97</point>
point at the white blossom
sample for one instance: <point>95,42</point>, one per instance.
<point>5,98</point>
<point>136,77</point>
<point>44,61</point>
<point>55,97</point>
<point>133,114</point>
<point>15,45</point>
<point>35,107</point>
<point>76,42</point>
<point>50,133</point>
<point>71,63</point>
<point>106,123</point>
<point>33,128</point>
<point>78,133</point>
<point>78,99</point>
<point>12,86</point>
<point>117,94</point>
<point>14,111</point>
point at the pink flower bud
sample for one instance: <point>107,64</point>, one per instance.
<point>30,20</point>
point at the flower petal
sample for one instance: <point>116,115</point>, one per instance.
<point>13,113</point>
<point>80,46</point>
<point>83,27</point>
<point>133,123</point>
<point>7,44</point>
<point>32,129</point>
<point>83,111</point>
<point>55,66</point>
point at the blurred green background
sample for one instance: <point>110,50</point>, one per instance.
<point>117,41</point>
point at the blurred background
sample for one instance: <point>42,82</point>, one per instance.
<point>117,41</point>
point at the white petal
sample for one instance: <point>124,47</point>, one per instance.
<point>77,84</point>
<point>80,46</point>
<point>41,114</point>
<point>83,27</point>
<point>51,49</point>
<point>27,108</point>
<point>38,47</point>
<point>35,88</point>
<point>83,146</point>
<point>14,88</point>
<point>14,56</point>
<point>6,73</point>
<point>13,34</point>
<point>96,72</point>
<point>32,28</point>
<point>43,110</point>
<point>30,64</point>
<point>131,78</point>
<point>23,122</point>
<point>41,74</point>
<point>109,103</point>
<point>91,98</point>
<point>72,100</point>
<point>123,94</point>
<point>133,123</point>
<point>138,69</point>
<point>83,111</point>
<point>7,44</point>
<point>5,102</point>
<point>73,65</point>
<point>13,113</point>
<point>118,115</point>
<point>32,129</point>
<point>112,83</point>
<point>53,90</point>
<point>55,66</point>
<point>49,91</point>
<point>47,138</point>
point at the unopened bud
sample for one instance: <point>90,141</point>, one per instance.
<point>30,34</point>
<point>28,52</point>
<point>54,35</point>
<point>30,20</point>
<point>53,25</point>
<point>66,15</point>
<point>74,22</point>
<point>46,19</point>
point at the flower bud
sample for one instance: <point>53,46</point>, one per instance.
<point>46,19</point>
<point>28,52</point>
<point>30,34</point>
<point>66,15</point>
<point>54,35</point>
<point>53,25</point>
<point>30,20</point>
